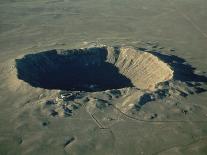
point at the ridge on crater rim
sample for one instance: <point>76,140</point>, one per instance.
<point>143,69</point>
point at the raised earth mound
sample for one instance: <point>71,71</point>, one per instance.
<point>110,79</point>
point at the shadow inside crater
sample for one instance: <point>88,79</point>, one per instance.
<point>82,70</point>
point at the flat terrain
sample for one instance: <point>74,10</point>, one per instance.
<point>161,127</point>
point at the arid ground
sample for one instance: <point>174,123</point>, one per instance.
<point>103,77</point>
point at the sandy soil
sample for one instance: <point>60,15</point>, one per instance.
<point>170,120</point>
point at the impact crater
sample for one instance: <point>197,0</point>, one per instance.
<point>93,69</point>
